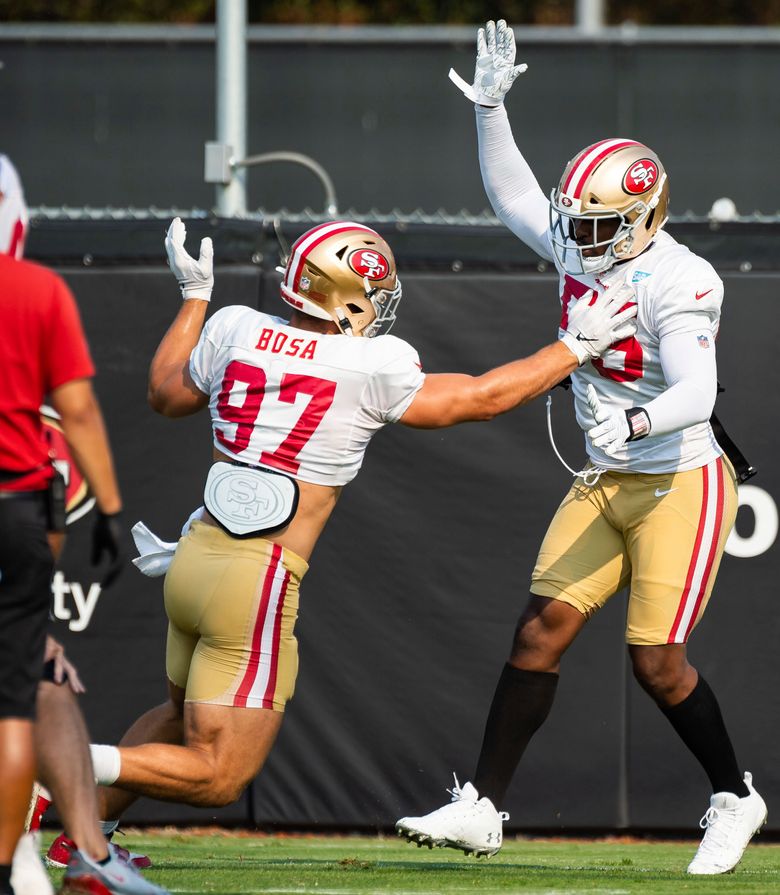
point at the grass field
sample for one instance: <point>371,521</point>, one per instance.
<point>229,864</point>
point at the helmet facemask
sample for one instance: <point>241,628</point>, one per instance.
<point>614,246</point>
<point>384,302</point>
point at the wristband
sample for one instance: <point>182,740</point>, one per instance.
<point>638,423</point>
<point>577,348</point>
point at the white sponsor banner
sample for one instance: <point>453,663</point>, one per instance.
<point>77,610</point>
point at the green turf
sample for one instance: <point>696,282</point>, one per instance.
<point>232,864</point>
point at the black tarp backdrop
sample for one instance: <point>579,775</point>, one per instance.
<point>379,113</point>
<point>408,610</point>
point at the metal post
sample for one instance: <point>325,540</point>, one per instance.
<point>590,15</point>
<point>231,100</point>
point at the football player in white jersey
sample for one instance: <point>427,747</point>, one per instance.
<point>293,406</point>
<point>654,506</point>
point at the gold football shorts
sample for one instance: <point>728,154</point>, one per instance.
<point>232,606</point>
<point>662,535</point>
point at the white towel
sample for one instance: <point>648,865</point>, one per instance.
<point>156,555</point>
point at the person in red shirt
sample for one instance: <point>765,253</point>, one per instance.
<point>45,356</point>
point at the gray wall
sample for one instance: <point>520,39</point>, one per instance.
<point>408,610</point>
<point>120,119</point>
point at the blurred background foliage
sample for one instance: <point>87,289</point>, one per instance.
<point>401,12</point>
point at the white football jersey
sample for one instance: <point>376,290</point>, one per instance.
<point>304,403</point>
<point>677,292</point>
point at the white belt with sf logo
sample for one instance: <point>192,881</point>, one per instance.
<point>248,500</point>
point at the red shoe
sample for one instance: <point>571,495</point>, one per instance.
<point>60,851</point>
<point>140,862</point>
<point>39,802</point>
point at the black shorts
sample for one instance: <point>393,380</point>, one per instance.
<point>26,566</point>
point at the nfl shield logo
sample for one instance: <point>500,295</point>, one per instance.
<point>703,341</point>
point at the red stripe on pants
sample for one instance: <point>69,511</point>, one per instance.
<point>268,696</point>
<point>250,674</point>
<point>713,547</point>
<point>694,559</point>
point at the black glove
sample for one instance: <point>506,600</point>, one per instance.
<point>107,538</point>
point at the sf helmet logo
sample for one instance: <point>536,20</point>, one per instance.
<point>367,263</point>
<point>640,176</point>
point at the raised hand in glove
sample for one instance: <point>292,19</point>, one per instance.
<point>594,325</point>
<point>107,538</point>
<point>615,427</point>
<point>196,278</point>
<point>496,70</point>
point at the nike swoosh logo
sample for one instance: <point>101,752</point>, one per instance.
<point>660,493</point>
<point>581,338</point>
<point>700,295</point>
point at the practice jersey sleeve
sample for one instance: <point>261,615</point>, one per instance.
<point>203,356</point>
<point>688,363</point>
<point>392,387</point>
<point>690,304</point>
<point>514,192</point>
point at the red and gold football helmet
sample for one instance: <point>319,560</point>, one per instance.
<point>79,499</point>
<point>618,182</point>
<point>344,272</point>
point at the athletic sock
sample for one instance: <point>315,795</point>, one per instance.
<point>699,724</point>
<point>521,703</point>
<point>5,880</point>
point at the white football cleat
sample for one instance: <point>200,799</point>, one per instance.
<point>469,823</point>
<point>28,875</point>
<point>730,823</point>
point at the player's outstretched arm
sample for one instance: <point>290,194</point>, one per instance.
<point>449,398</point>
<point>446,399</point>
<point>171,390</point>
<point>511,187</point>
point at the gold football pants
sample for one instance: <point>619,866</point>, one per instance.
<point>663,535</point>
<point>232,606</point>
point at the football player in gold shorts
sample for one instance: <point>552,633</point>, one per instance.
<point>293,407</point>
<point>653,508</point>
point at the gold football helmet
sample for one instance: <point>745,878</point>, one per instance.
<point>618,184</point>
<point>344,272</point>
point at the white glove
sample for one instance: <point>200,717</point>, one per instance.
<point>196,278</point>
<point>496,70</point>
<point>592,328</point>
<point>615,427</point>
